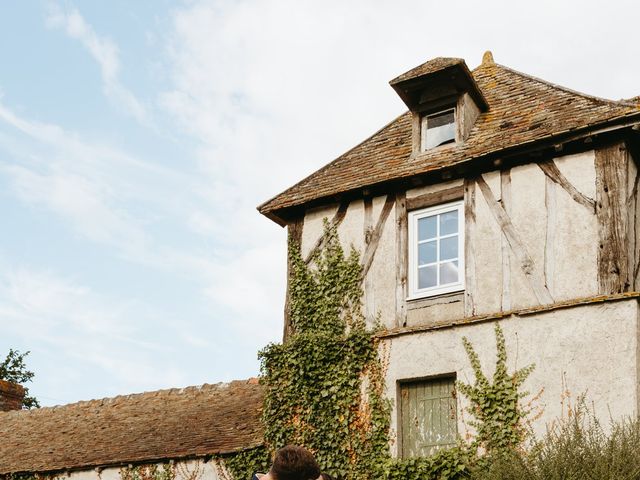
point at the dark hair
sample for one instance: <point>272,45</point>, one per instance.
<point>326,476</point>
<point>294,463</point>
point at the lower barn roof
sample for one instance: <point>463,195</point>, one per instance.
<point>165,424</point>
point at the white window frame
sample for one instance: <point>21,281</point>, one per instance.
<point>424,120</point>
<point>413,217</point>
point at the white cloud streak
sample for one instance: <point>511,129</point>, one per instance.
<point>105,52</point>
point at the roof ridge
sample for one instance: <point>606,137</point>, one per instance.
<point>127,396</point>
<point>327,165</point>
<point>561,87</point>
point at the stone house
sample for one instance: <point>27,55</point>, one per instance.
<point>185,433</point>
<point>497,197</point>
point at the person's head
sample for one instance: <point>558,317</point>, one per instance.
<point>326,476</point>
<point>294,463</point>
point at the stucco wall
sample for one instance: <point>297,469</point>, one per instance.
<point>589,350</point>
<point>185,470</point>
<point>558,234</point>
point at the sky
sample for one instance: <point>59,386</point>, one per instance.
<point>137,139</point>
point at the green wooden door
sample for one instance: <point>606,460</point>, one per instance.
<point>428,416</point>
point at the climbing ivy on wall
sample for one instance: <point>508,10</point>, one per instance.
<point>495,405</point>
<point>324,386</point>
<point>164,471</point>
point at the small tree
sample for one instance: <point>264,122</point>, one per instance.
<point>14,369</point>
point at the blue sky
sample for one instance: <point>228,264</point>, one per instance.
<point>137,138</point>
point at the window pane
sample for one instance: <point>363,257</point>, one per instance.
<point>440,119</point>
<point>449,248</point>
<point>440,129</point>
<point>427,276</point>
<point>440,135</point>
<point>448,272</point>
<point>449,223</point>
<point>427,253</point>
<point>427,228</point>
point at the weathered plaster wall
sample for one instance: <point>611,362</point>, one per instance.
<point>588,350</point>
<point>550,256</point>
<point>185,470</point>
<point>353,231</point>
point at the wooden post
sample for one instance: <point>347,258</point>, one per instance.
<point>611,188</point>
<point>401,259</point>
<point>469,249</point>
<point>369,296</point>
<point>505,196</point>
<point>370,251</point>
<point>294,236</point>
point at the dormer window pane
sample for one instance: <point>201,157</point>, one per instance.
<point>438,129</point>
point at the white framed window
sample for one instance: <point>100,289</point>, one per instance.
<point>437,129</point>
<point>436,250</point>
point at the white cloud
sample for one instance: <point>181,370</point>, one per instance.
<point>105,53</point>
<point>57,316</point>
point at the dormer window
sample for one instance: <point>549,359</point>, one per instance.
<point>444,100</point>
<point>437,129</point>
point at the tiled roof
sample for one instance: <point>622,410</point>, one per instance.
<point>523,110</point>
<point>166,424</point>
<point>434,65</point>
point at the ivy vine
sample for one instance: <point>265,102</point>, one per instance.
<point>163,471</point>
<point>324,387</point>
<point>499,417</point>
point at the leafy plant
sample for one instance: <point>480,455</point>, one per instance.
<point>495,404</point>
<point>324,386</point>
<point>577,447</point>
<point>14,369</point>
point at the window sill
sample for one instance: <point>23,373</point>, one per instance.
<point>443,298</point>
<point>427,153</point>
<point>439,294</point>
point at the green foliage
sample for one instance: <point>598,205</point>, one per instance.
<point>163,471</point>
<point>242,465</point>
<point>576,448</point>
<point>324,386</point>
<point>14,369</point>
<point>495,405</point>
<point>453,463</point>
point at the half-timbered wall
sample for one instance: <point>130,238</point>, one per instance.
<point>551,251</point>
<point>536,234</point>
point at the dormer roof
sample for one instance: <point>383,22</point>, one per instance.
<point>437,78</point>
<point>523,111</point>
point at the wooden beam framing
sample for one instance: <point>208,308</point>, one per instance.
<point>369,294</point>
<point>611,193</point>
<point>550,236</point>
<point>492,317</point>
<point>335,222</point>
<point>435,198</point>
<point>402,246</point>
<point>469,246</point>
<point>518,248</point>
<point>505,197</point>
<point>294,234</point>
<point>370,252</point>
<point>552,172</point>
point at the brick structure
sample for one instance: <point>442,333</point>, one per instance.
<point>11,396</point>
